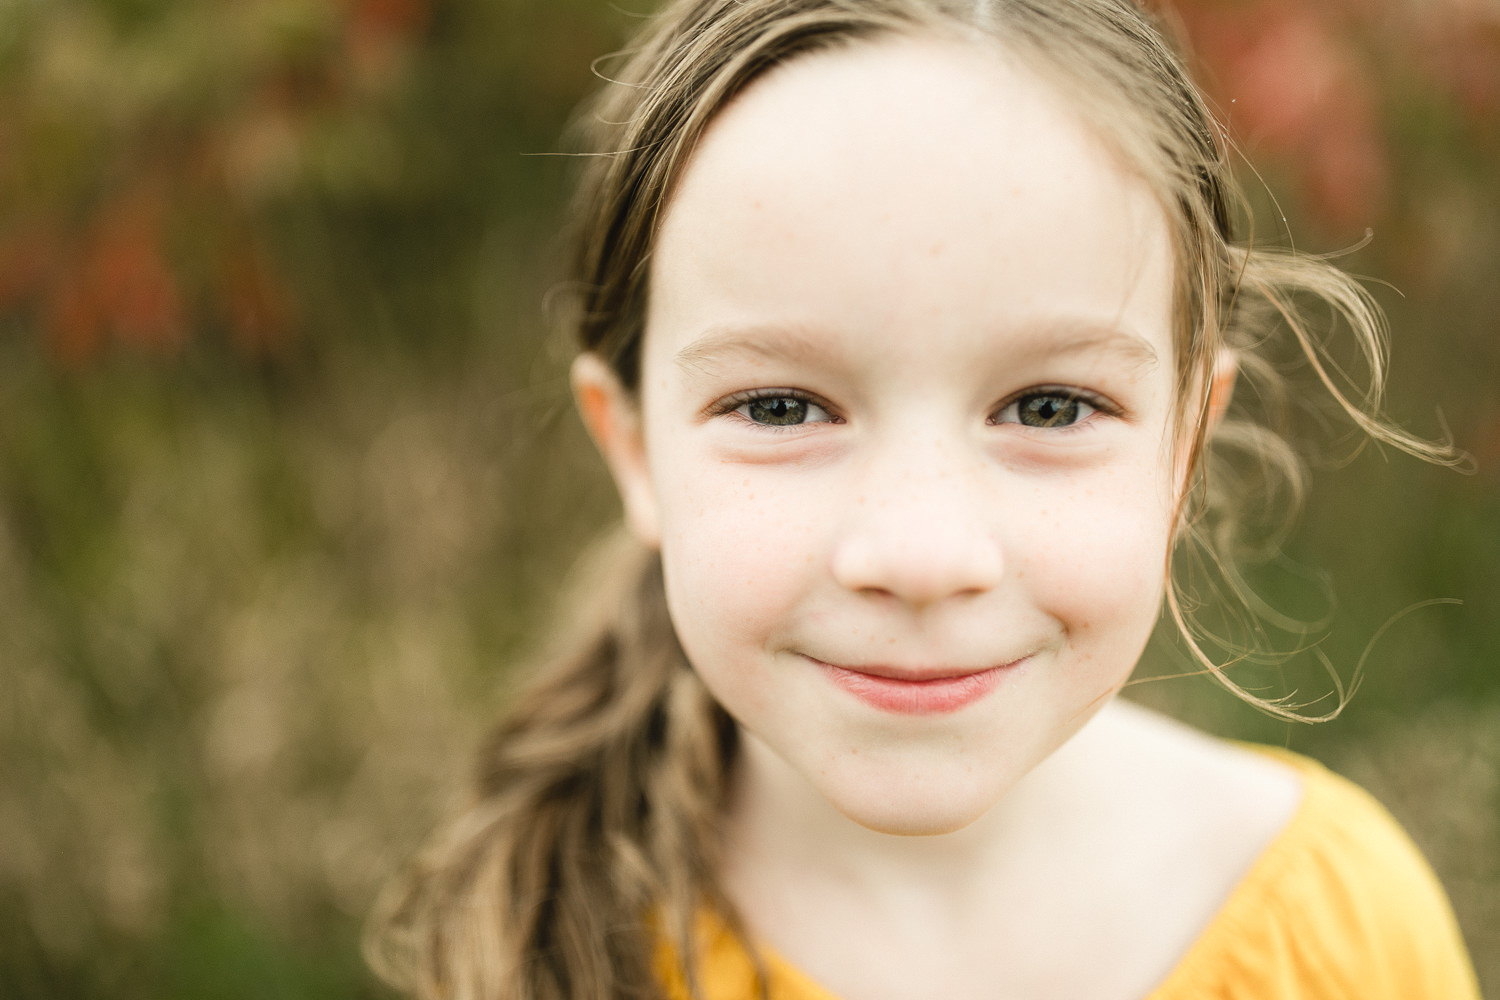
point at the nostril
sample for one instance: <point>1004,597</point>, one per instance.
<point>919,567</point>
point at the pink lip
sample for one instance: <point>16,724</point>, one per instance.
<point>916,692</point>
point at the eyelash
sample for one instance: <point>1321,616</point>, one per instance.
<point>730,404</point>
<point>1095,403</point>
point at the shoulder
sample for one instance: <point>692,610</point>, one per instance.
<point>1340,904</point>
<point>1354,898</point>
<point>1315,891</point>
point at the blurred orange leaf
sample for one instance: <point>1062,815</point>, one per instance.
<point>118,287</point>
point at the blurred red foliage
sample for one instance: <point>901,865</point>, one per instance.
<point>145,235</point>
<point>131,223</point>
<point>379,34</point>
<point>1460,52</point>
<point>1313,88</point>
<point>1292,84</point>
<point>116,284</point>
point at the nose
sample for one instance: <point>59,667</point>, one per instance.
<point>923,529</point>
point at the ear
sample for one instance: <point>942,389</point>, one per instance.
<point>1220,390</point>
<point>1221,386</point>
<point>613,420</point>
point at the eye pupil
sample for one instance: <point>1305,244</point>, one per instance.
<point>1048,411</point>
<point>778,410</point>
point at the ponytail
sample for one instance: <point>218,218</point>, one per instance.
<point>590,837</point>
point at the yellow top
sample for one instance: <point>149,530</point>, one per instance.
<point>1340,906</point>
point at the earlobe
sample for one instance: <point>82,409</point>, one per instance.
<point>613,419</point>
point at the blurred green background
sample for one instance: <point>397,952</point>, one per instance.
<point>288,477</point>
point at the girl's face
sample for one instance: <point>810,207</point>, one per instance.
<point>903,428</point>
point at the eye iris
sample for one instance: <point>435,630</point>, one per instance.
<point>1048,411</point>
<point>778,410</point>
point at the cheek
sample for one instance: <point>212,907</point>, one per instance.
<point>739,553</point>
<point>1099,563</point>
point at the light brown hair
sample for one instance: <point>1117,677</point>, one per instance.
<point>591,836</point>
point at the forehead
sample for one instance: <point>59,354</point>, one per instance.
<point>932,185</point>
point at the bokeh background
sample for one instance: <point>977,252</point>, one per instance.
<point>289,482</point>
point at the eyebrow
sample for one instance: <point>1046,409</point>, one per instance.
<point>1083,337</point>
<point>1064,338</point>
<point>766,343</point>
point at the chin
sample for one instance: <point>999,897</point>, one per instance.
<point>915,823</point>
<point>928,810</point>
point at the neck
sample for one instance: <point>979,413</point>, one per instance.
<point>782,832</point>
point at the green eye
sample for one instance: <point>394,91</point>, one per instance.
<point>778,411</point>
<point>772,408</point>
<point>1046,410</point>
<point>1049,411</point>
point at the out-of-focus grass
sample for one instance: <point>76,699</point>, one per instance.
<point>251,631</point>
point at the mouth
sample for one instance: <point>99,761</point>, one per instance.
<point>917,691</point>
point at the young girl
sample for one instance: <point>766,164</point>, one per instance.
<point>910,332</point>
